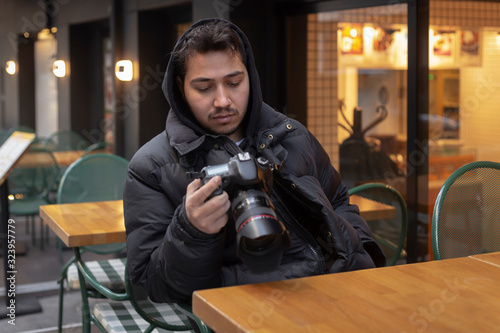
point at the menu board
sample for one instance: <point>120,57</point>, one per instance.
<point>11,150</point>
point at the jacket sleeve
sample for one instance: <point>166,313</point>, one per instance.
<point>166,255</point>
<point>338,195</point>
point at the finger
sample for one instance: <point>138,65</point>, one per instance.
<point>206,190</point>
<point>193,186</point>
<point>215,221</point>
<point>219,204</point>
<point>212,209</point>
<point>212,215</point>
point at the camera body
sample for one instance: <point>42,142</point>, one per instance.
<point>240,173</point>
<point>261,238</point>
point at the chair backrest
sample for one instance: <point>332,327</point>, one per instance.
<point>389,233</point>
<point>99,147</point>
<point>466,216</point>
<point>96,177</point>
<point>34,175</point>
<point>64,140</point>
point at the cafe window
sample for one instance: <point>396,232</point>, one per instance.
<point>356,92</point>
<point>464,54</point>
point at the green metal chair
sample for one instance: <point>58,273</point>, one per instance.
<point>390,234</point>
<point>133,312</point>
<point>466,216</point>
<point>64,140</point>
<point>96,177</point>
<point>30,183</point>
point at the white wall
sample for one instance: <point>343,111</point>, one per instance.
<point>480,102</point>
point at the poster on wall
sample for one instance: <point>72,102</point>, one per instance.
<point>383,40</point>
<point>470,48</point>
<point>442,48</point>
<point>351,39</point>
<point>443,42</point>
<point>385,46</point>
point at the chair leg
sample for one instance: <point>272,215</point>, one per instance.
<point>47,235</point>
<point>42,234</point>
<point>61,301</point>
<point>59,249</point>
<point>33,230</point>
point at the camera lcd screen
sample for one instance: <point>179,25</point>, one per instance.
<point>217,170</point>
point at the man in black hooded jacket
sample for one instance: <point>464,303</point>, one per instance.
<point>180,238</point>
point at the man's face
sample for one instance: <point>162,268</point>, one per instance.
<point>216,88</point>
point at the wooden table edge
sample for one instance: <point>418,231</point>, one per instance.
<point>201,308</point>
<point>46,218</point>
<point>475,257</point>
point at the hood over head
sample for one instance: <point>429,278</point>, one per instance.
<point>180,107</point>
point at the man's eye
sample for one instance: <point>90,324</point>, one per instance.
<point>203,89</point>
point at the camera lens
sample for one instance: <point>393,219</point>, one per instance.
<point>259,245</point>
<point>259,232</point>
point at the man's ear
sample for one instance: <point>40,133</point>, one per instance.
<point>180,84</point>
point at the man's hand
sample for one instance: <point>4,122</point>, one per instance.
<point>208,216</point>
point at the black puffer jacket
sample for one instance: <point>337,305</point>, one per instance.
<point>171,258</point>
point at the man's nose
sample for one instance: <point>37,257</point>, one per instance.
<point>222,98</point>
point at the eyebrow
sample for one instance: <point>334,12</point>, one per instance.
<point>230,75</point>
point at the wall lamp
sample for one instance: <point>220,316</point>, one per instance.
<point>10,67</point>
<point>59,68</point>
<point>124,70</point>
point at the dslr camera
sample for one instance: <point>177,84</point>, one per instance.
<point>261,238</point>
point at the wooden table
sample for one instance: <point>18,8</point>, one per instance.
<point>87,223</point>
<point>454,295</point>
<point>66,158</point>
<point>63,158</point>
<point>372,210</point>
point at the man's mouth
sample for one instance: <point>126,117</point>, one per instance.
<point>223,117</point>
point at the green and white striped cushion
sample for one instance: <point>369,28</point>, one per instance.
<point>121,317</point>
<point>110,273</point>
